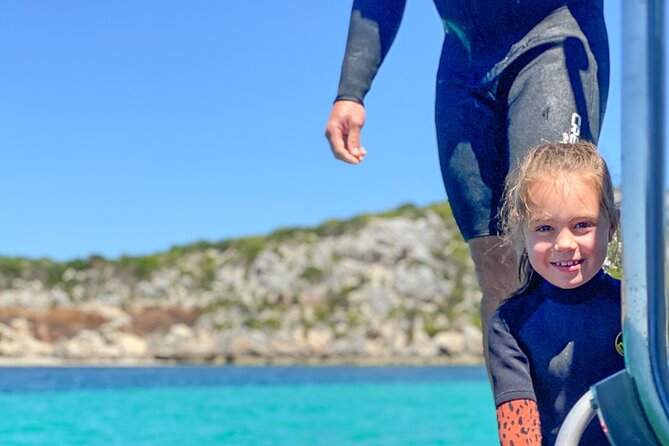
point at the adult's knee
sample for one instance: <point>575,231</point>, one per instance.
<point>496,268</point>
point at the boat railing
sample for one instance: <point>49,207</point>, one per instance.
<point>633,405</point>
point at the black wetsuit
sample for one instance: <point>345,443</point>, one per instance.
<point>550,345</point>
<point>513,74</point>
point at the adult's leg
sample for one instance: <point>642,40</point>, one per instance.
<point>474,163</point>
<point>497,273</point>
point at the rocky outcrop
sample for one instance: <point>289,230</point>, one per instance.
<point>391,288</point>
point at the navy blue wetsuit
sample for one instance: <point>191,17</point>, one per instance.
<point>513,74</point>
<point>550,345</point>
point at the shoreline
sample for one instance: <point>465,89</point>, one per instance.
<point>7,362</point>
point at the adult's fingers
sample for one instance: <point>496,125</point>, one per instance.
<point>337,139</point>
<point>353,139</point>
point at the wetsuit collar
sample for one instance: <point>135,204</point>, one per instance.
<point>574,295</point>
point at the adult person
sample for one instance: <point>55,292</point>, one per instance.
<point>512,74</point>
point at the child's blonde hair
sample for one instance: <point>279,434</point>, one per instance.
<point>545,162</point>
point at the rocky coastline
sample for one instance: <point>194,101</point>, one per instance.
<point>391,288</point>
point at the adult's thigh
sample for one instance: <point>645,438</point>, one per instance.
<point>555,96</point>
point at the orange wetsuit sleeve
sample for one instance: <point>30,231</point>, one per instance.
<point>518,423</point>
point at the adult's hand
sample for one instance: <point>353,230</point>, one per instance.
<point>343,131</point>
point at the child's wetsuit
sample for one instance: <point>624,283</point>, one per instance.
<point>550,345</point>
<point>513,73</point>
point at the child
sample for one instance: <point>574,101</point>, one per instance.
<point>556,336</point>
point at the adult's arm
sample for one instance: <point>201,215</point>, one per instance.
<point>372,29</point>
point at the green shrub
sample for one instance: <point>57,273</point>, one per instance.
<point>334,228</point>
<point>78,264</point>
<point>283,234</point>
<point>217,304</point>
<point>353,317</point>
<point>442,209</point>
<point>614,261</point>
<point>430,324</point>
<point>406,210</point>
<point>312,275</point>
<point>140,267</point>
<point>248,247</point>
<point>207,273</point>
<point>54,274</point>
<point>252,324</point>
<point>271,323</point>
<point>12,267</point>
<point>322,313</point>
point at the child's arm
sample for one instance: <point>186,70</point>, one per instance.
<point>518,423</point>
<point>517,412</point>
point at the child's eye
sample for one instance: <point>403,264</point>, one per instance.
<point>584,225</point>
<point>543,228</point>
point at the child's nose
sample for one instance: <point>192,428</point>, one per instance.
<point>565,241</point>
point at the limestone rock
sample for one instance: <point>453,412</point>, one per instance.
<point>394,287</point>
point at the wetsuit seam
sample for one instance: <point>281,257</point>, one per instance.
<point>516,53</point>
<point>530,41</point>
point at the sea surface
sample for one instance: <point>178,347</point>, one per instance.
<point>231,405</point>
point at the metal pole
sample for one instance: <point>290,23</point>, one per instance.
<point>644,325</point>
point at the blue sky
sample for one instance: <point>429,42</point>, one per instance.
<point>129,127</point>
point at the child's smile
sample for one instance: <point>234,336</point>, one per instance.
<point>569,265</point>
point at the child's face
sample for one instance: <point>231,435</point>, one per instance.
<point>567,235</point>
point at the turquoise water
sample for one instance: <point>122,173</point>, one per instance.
<point>380,406</point>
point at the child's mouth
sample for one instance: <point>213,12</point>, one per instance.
<point>569,265</point>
